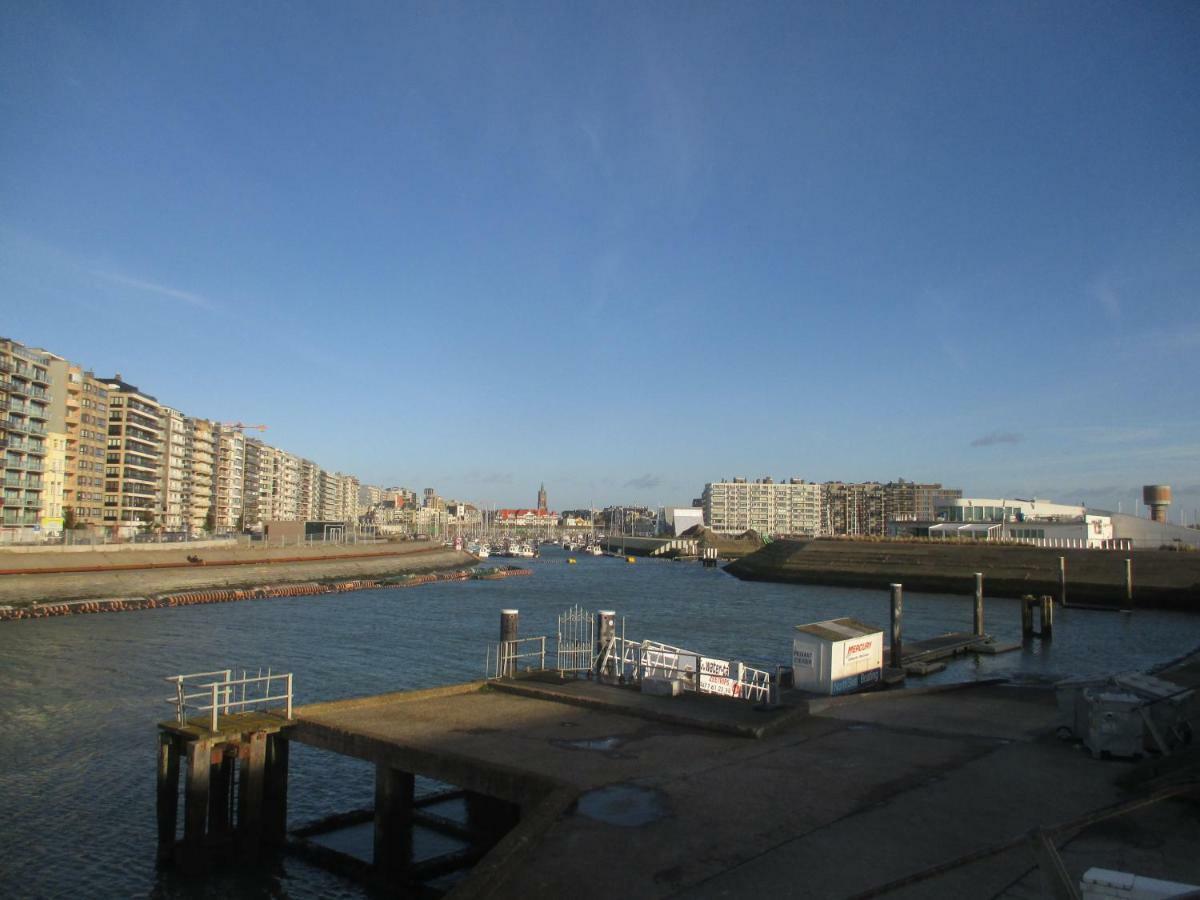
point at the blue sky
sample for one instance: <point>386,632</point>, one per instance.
<point>626,248</point>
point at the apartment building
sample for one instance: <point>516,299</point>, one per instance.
<point>175,463</point>
<point>252,483</point>
<point>25,384</point>
<point>908,501</point>
<point>767,506</point>
<point>132,474</point>
<point>86,428</point>
<point>853,508</point>
<point>230,468</point>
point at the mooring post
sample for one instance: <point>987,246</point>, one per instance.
<point>220,789</point>
<point>979,604</point>
<point>897,626</point>
<point>1062,580</point>
<point>606,642</point>
<point>168,792</point>
<point>275,787</point>
<point>250,794</point>
<point>1129,582</point>
<point>394,791</point>
<point>1047,616</point>
<point>1027,602</point>
<point>195,801</point>
<point>509,621</point>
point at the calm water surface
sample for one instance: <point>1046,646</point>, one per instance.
<point>80,696</point>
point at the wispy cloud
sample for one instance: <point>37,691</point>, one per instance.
<point>644,482</point>
<point>151,287</point>
<point>997,437</point>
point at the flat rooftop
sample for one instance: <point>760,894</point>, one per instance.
<point>641,796</point>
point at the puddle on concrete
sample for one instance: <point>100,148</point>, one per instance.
<point>623,804</point>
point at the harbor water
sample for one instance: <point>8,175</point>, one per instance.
<point>81,695</point>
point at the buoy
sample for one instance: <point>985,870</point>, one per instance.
<point>570,561</point>
<point>629,559</point>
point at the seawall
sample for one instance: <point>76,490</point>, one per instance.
<point>164,577</point>
<point>1161,578</point>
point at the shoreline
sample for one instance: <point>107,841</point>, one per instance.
<point>1162,579</point>
<point>229,595</point>
<point>253,570</point>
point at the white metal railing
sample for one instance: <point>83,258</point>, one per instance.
<point>221,690</point>
<point>506,658</point>
<point>631,661</point>
<point>575,648</point>
<point>699,673</point>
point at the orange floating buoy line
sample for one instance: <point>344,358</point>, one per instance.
<point>229,595</point>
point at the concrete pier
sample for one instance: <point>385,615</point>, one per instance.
<point>841,797</point>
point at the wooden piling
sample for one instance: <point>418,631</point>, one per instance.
<point>1047,622</point>
<point>979,604</point>
<point>195,809</point>
<point>1027,602</point>
<point>250,793</point>
<point>897,626</point>
<point>220,792</point>
<point>275,787</point>
<point>1062,580</point>
<point>509,623</point>
<point>394,791</point>
<point>1129,583</point>
<point>168,793</point>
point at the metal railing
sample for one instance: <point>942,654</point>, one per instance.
<point>506,658</point>
<point>221,690</point>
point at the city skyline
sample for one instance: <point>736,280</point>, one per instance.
<point>476,250</point>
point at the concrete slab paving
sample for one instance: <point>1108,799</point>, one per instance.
<point>835,804</point>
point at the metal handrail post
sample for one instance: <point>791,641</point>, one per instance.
<point>179,704</point>
<point>289,695</point>
<point>543,666</point>
<point>215,687</point>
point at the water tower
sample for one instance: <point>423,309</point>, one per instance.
<point>1158,498</point>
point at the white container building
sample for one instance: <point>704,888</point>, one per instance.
<point>837,657</point>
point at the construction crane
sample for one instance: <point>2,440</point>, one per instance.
<point>242,426</point>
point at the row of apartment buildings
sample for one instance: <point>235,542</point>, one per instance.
<point>77,450</point>
<point>796,506</point>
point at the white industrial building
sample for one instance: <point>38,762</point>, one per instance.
<point>675,520</point>
<point>1045,524</point>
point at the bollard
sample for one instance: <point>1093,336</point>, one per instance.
<point>1027,615</point>
<point>1062,580</point>
<point>1129,582</point>
<point>509,620</point>
<point>979,604</point>
<point>897,625</point>
<point>606,642</point>
<point>1047,616</point>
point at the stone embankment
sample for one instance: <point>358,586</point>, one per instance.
<point>195,598</point>
<point>58,581</point>
<point>1161,578</point>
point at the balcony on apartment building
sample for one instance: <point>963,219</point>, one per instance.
<point>24,426</point>
<point>13,480</point>
<point>14,517</point>
<point>27,464</point>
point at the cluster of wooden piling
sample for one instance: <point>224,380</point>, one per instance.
<point>235,791</point>
<point>230,595</point>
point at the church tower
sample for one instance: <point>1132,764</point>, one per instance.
<point>542,507</point>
